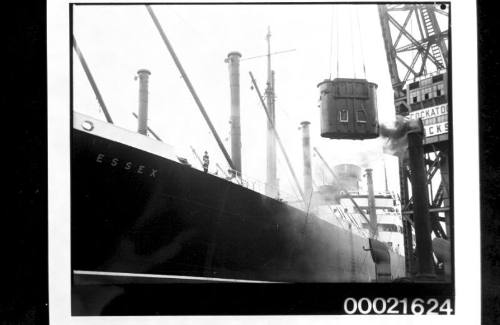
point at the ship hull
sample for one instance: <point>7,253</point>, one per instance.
<point>137,213</point>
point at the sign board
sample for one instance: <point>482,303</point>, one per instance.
<point>435,119</point>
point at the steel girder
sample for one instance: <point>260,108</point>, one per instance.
<point>428,44</point>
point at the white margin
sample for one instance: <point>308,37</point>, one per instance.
<point>466,189</point>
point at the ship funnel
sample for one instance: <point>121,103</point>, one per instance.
<point>143,101</point>
<point>348,176</point>
<point>233,60</point>
<point>371,203</point>
<point>306,147</point>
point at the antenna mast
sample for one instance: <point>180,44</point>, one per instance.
<point>275,133</point>
<point>271,182</point>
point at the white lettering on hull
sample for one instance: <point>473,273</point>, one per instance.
<point>126,165</point>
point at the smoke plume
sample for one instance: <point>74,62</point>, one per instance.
<point>396,142</point>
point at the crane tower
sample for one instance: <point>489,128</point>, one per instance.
<point>416,44</point>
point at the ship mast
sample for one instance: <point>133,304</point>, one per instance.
<point>271,178</point>
<point>275,133</point>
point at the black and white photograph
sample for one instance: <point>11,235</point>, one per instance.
<point>260,159</point>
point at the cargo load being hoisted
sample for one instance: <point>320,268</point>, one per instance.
<point>348,106</point>
<point>348,109</point>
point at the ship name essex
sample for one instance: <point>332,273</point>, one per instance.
<point>139,169</point>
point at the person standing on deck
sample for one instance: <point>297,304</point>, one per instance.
<point>206,161</point>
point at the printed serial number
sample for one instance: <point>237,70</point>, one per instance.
<point>393,305</point>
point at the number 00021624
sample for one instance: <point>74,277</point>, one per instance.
<point>392,305</point>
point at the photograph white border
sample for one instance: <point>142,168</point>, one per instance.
<point>465,167</point>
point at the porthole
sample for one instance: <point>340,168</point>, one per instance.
<point>87,125</point>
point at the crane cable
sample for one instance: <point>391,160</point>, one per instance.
<point>361,44</point>
<point>352,44</point>
<point>337,27</point>
<point>331,43</point>
<point>334,14</point>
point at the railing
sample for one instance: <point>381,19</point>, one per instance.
<point>345,217</point>
<point>256,185</point>
<point>428,75</point>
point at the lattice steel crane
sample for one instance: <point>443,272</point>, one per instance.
<point>413,51</point>
<point>416,43</point>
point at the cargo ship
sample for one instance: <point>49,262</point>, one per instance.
<point>138,209</point>
<point>142,214</point>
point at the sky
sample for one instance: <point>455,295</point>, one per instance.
<point>118,40</point>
